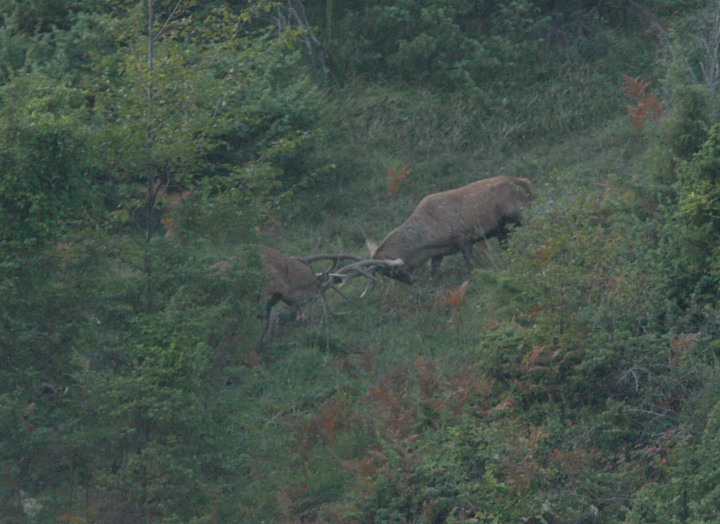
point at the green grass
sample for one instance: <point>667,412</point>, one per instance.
<point>357,404</point>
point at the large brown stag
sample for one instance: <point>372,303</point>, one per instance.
<point>452,221</point>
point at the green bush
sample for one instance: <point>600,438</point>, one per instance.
<point>688,491</point>
<point>687,128</point>
<point>449,44</point>
<point>700,178</point>
<point>46,159</point>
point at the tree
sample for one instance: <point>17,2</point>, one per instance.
<point>122,184</point>
<point>180,100</point>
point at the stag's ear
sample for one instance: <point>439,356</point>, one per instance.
<point>372,246</point>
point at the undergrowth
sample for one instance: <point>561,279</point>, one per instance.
<point>545,386</point>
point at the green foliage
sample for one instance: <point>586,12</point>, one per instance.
<point>150,441</point>
<point>482,464</point>
<point>111,340</point>
<point>147,150</point>
<point>688,492</point>
<point>696,226</point>
<point>210,96</point>
<point>700,178</point>
<point>162,106</point>
<point>606,273</point>
<point>687,129</point>
<point>484,47</point>
<point>451,44</point>
<point>47,179</point>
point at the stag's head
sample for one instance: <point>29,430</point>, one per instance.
<point>390,263</point>
<point>398,270</point>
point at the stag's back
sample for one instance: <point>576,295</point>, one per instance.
<point>472,212</point>
<point>443,221</point>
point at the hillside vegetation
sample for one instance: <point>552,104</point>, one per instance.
<point>149,147</point>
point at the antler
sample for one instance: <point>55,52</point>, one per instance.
<point>327,278</point>
<point>335,257</point>
<point>365,268</point>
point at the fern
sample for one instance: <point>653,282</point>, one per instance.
<point>647,105</point>
<point>395,178</point>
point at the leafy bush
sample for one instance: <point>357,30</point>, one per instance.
<point>687,128</point>
<point>450,44</point>
<point>701,185</point>
<point>45,155</point>
<point>697,224</point>
<point>688,490</point>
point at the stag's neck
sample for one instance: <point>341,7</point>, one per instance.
<point>403,241</point>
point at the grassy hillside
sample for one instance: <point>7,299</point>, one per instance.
<point>570,378</point>
<point>549,389</point>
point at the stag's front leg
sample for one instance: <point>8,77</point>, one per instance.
<point>271,322</point>
<point>435,267</point>
<point>503,234</point>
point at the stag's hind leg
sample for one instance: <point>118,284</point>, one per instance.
<point>466,248</point>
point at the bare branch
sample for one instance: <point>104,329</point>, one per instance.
<point>167,21</point>
<point>293,13</point>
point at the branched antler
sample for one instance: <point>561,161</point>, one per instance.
<point>293,280</point>
<point>327,279</point>
<point>364,268</point>
<point>336,258</point>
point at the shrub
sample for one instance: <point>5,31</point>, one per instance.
<point>45,157</point>
<point>689,491</point>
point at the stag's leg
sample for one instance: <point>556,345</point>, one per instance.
<point>435,267</point>
<point>502,236</point>
<point>270,304</point>
<point>480,251</point>
<point>270,321</point>
<point>504,230</point>
<point>466,249</point>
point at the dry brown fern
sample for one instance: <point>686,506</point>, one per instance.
<point>647,105</point>
<point>395,178</point>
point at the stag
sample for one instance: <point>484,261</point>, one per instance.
<point>290,279</point>
<point>293,281</point>
<point>452,221</point>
